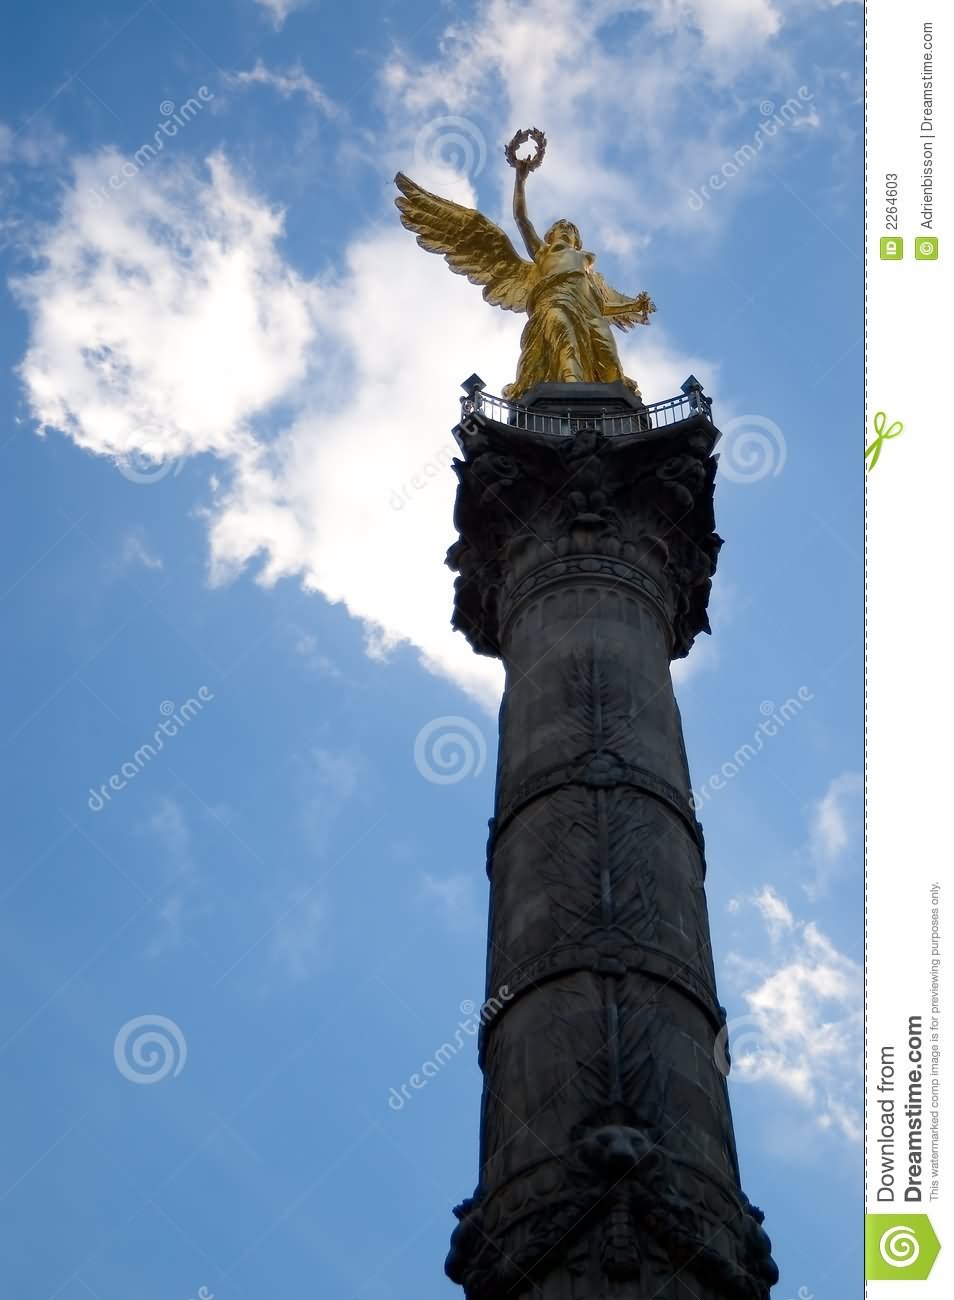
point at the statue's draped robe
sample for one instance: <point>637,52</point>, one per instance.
<point>567,339</point>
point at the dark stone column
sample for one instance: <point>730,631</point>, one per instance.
<point>608,1167</point>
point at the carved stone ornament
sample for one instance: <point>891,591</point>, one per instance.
<point>618,1182</point>
<point>635,510</point>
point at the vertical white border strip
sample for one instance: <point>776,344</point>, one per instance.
<point>910,553</point>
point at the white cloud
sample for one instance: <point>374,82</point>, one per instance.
<point>278,10</point>
<point>133,551</point>
<point>34,145</point>
<point>134,343</point>
<point>831,816</point>
<point>294,81</point>
<point>774,911</point>
<point>734,28</point>
<point>801,1033</point>
<point>835,826</point>
<point>342,509</point>
<point>725,25</point>
<point>560,64</point>
<point>168,313</point>
<point>164,314</point>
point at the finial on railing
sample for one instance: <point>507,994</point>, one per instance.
<point>473,386</point>
<point>693,390</point>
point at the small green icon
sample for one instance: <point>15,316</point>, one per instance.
<point>899,1247</point>
<point>884,431</point>
<point>925,248</point>
<point>892,248</point>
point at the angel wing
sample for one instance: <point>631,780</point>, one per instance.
<point>471,244</point>
<point>622,311</point>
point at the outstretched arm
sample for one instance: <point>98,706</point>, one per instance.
<point>524,225</point>
<point>622,310</point>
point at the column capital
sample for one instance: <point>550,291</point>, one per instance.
<point>629,509</point>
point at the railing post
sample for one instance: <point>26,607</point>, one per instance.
<point>698,402</point>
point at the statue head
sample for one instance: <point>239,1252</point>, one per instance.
<point>564,229</point>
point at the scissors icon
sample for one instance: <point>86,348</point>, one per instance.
<point>884,431</point>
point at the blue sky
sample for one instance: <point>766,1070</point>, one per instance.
<point>228,381</point>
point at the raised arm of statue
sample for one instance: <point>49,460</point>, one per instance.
<point>530,237</point>
<point>523,167</point>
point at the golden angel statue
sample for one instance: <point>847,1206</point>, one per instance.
<point>570,306</point>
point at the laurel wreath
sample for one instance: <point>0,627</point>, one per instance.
<point>534,161</point>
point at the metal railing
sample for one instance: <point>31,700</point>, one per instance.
<point>658,415</point>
